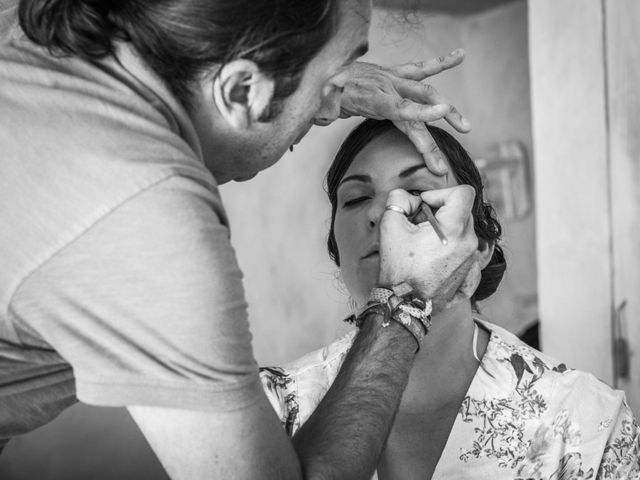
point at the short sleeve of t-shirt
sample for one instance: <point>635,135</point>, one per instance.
<point>147,305</point>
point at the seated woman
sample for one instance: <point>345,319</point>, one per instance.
<point>479,403</point>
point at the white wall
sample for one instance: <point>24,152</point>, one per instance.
<point>568,94</point>
<point>623,78</point>
<point>586,106</point>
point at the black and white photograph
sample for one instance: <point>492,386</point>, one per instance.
<point>319,239</point>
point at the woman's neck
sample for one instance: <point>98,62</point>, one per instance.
<point>445,364</point>
<point>450,335</point>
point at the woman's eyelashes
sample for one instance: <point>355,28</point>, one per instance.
<point>352,202</point>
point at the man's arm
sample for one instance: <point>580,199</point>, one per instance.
<point>345,435</point>
<point>343,438</point>
<point>248,443</point>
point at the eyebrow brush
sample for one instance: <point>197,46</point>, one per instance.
<point>424,214</point>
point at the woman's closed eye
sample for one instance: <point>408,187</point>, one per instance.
<point>354,201</point>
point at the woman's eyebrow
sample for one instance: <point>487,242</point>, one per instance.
<point>411,170</point>
<point>367,178</point>
<point>356,177</point>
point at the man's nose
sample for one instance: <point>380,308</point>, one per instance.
<point>330,108</point>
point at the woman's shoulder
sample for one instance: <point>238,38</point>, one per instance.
<point>543,418</point>
<point>295,389</point>
<point>510,352</point>
<point>328,356</point>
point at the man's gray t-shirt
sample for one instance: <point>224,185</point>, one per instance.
<point>118,283</point>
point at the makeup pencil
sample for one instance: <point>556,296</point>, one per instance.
<point>424,214</point>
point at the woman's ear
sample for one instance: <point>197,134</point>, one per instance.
<point>485,252</point>
<point>242,93</point>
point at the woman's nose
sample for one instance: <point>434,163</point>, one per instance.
<point>374,214</point>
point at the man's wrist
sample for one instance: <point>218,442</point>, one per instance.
<point>373,323</point>
<point>398,305</point>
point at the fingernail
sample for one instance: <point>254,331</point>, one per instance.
<point>442,108</point>
<point>439,163</point>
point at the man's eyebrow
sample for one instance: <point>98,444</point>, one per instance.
<point>357,177</point>
<point>411,170</point>
<point>358,52</point>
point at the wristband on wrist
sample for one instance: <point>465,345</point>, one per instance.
<point>399,305</point>
<point>358,318</point>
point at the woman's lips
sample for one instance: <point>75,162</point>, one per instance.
<point>373,254</point>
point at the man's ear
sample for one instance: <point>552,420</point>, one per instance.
<point>242,92</point>
<point>485,252</point>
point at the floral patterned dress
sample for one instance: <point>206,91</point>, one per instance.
<point>525,416</point>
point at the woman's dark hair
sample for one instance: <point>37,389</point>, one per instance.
<point>180,39</point>
<point>465,171</point>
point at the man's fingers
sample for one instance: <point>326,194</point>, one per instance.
<point>454,205</point>
<point>408,110</point>
<point>400,205</point>
<point>422,70</point>
<point>418,134</point>
<point>404,200</point>
<point>400,93</point>
<point>454,197</point>
<point>426,145</point>
<point>458,121</point>
<point>424,93</point>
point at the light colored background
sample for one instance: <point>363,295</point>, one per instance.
<point>586,106</point>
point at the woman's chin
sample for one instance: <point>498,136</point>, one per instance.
<point>365,288</point>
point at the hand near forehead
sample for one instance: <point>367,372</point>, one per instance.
<point>402,95</point>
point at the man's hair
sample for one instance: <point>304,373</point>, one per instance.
<point>181,39</point>
<point>485,222</point>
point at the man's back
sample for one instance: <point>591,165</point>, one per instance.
<point>101,196</point>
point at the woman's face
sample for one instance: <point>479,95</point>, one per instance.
<point>388,162</point>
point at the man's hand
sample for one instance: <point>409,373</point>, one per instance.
<point>425,144</point>
<point>414,253</point>
<point>402,95</point>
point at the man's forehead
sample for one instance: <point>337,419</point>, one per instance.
<point>355,16</point>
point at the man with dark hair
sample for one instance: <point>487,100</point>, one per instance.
<point>119,284</point>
